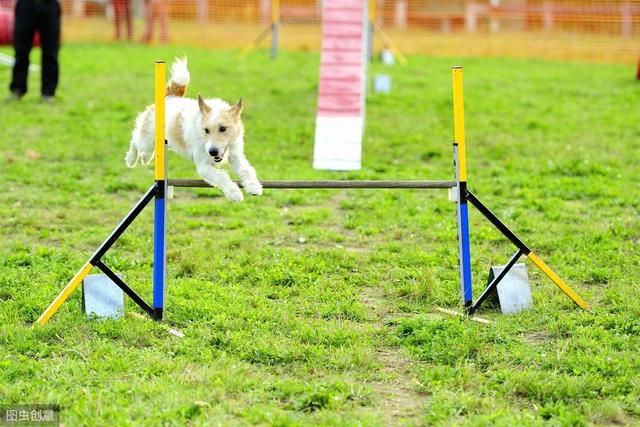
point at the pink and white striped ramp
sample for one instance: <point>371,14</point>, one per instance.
<point>343,77</point>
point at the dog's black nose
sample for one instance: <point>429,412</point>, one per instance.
<point>213,152</point>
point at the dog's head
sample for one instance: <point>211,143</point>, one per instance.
<point>221,129</point>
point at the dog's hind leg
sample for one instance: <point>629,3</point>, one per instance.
<point>221,179</point>
<point>142,142</point>
<point>146,157</point>
<point>132,156</point>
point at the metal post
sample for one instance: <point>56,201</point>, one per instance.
<point>322,183</point>
<point>160,213</point>
<point>275,27</point>
<point>460,162</point>
<point>371,29</point>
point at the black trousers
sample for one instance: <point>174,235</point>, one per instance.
<point>42,16</point>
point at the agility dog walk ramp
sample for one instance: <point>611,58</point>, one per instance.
<point>158,191</point>
<point>341,92</point>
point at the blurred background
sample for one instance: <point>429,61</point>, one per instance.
<point>591,30</point>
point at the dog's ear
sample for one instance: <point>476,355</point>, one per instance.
<point>236,110</point>
<point>204,108</point>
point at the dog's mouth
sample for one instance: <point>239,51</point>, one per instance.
<point>219,157</point>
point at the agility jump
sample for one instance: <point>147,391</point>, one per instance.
<point>158,192</point>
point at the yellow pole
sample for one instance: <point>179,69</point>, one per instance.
<point>275,12</point>
<point>160,168</point>
<point>458,120</point>
<point>272,30</point>
<point>64,294</point>
<point>372,11</point>
<point>389,43</point>
<point>558,281</point>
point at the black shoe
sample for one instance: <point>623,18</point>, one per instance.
<point>14,96</point>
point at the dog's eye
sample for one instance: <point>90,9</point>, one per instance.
<point>222,128</point>
<point>206,130</point>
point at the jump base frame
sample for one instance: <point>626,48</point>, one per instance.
<point>158,192</point>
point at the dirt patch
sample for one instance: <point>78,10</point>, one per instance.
<point>396,384</point>
<point>538,337</point>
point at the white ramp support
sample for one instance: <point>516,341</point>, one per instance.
<point>101,297</point>
<point>341,93</point>
<point>513,293</point>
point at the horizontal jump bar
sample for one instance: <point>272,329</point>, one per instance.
<point>327,184</point>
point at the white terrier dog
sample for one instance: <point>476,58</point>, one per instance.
<point>209,133</point>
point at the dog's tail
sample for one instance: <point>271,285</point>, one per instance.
<point>180,77</point>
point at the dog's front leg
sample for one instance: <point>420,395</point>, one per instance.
<point>221,179</point>
<point>246,172</point>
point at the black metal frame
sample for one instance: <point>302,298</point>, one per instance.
<point>497,223</point>
<point>523,249</point>
<point>126,289</point>
<point>96,259</point>
<point>124,224</point>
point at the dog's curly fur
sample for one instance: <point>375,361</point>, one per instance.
<point>207,132</point>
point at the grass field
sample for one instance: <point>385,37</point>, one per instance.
<point>319,307</point>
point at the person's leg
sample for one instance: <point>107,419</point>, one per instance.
<point>49,27</point>
<point>23,30</point>
<point>149,18</point>
<point>117,17</point>
<point>127,17</point>
<point>163,18</point>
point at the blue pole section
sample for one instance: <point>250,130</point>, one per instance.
<point>159,251</point>
<point>467,291</point>
<point>464,247</point>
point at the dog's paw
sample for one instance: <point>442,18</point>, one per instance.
<point>235,195</point>
<point>253,187</point>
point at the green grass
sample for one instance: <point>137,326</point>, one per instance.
<point>318,307</point>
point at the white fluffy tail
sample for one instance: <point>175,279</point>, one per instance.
<point>180,78</point>
<point>179,71</point>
